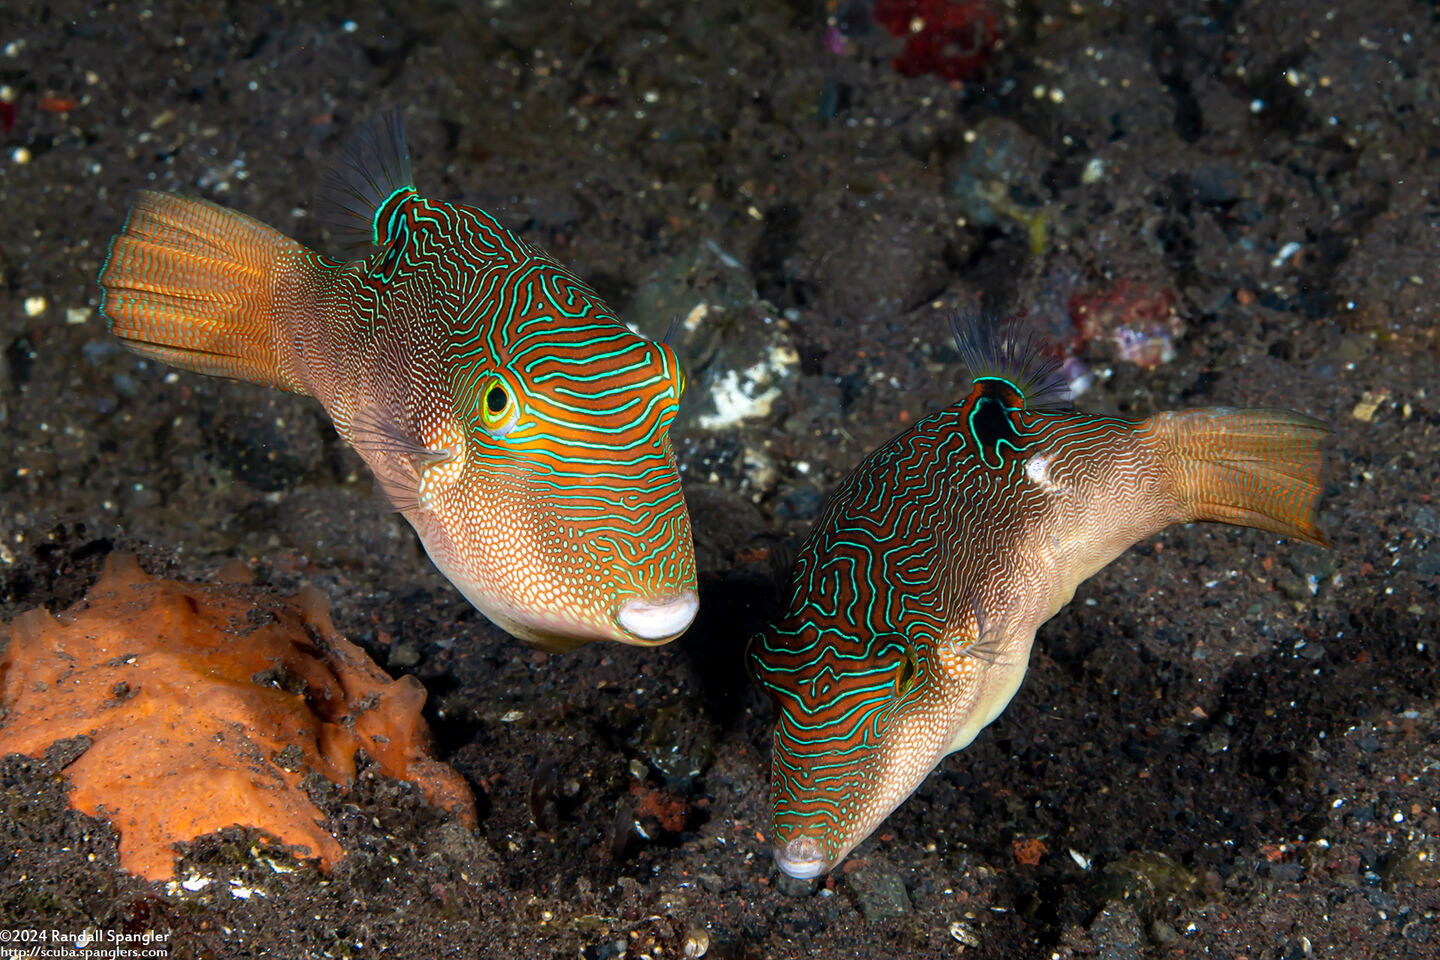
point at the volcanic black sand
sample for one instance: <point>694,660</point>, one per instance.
<point>1226,745</point>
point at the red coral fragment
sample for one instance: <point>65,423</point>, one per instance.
<point>953,40</point>
<point>669,811</point>
<point>1029,851</point>
<point>57,104</point>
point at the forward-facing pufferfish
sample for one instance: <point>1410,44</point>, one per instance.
<point>509,416</point>
<point>916,598</point>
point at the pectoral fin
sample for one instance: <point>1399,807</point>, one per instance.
<point>989,642</point>
<point>398,456</point>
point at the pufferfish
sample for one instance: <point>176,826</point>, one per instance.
<point>513,420</point>
<point>915,600</point>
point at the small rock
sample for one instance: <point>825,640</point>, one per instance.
<point>403,655</point>
<point>1287,872</point>
<point>1117,934</point>
<point>1163,934</point>
<point>1292,587</point>
<point>678,747</point>
<point>1217,184</point>
<point>795,887</point>
<point>1426,521</point>
<point>1216,741</point>
<point>1369,404</point>
<point>1147,880</point>
<point>879,894</point>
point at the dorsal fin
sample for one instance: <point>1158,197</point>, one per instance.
<point>1003,351</point>
<point>373,167</point>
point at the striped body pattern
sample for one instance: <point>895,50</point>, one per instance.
<point>519,426</point>
<point>916,597</point>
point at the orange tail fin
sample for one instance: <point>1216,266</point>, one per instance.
<point>208,289</point>
<point>1256,468</point>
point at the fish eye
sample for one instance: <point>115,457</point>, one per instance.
<point>496,400</point>
<point>498,410</point>
<point>907,672</point>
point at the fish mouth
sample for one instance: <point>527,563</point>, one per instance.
<point>802,858</point>
<point>657,619</point>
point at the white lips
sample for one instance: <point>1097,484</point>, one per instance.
<point>801,858</point>
<point>657,620</point>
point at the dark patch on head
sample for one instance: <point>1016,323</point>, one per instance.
<point>991,424</point>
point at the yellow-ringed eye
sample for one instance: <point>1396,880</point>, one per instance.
<point>498,408</point>
<point>907,674</point>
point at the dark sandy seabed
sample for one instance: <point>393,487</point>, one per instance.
<point>1226,745</point>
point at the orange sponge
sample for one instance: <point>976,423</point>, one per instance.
<point>205,707</point>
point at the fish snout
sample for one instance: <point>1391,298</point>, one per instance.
<point>653,619</point>
<point>802,858</point>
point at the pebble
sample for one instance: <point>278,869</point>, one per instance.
<point>1426,521</point>
<point>678,748</point>
<point>1287,872</point>
<point>404,655</point>
<point>1162,933</point>
<point>1292,587</point>
<point>795,887</point>
<point>879,894</point>
<point>1217,184</point>
<point>1370,402</point>
<point>1149,880</point>
<point>1117,933</point>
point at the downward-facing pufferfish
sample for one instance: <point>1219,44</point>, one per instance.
<point>518,425</point>
<point>916,598</point>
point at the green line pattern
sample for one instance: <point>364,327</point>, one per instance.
<point>549,527</point>
<point>925,532</point>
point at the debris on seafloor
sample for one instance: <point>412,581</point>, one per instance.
<point>1369,405</point>
<point>205,706</point>
<point>748,393</point>
<point>1071,308</point>
<point>952,39</point>
<point>706,302</point>
<point>1138,319</point>
<point>1000,176</point>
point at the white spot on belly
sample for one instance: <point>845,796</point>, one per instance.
<point>1037,468</point>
